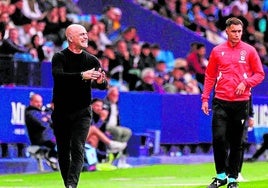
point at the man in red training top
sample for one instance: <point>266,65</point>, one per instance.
<point>234,68</point>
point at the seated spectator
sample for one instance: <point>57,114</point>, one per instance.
<point>113,126</point>
<point>53,30</point>
<point>149,81</point>
<point>99,116</point>
<point>36,44</point>
<point>181,82</point>
<point>6,23</point>
<point>163,55</point>
<point>161,70</point>
<point>39,126</point>
<point>17,15</point>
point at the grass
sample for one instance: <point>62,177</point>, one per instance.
<point>155,176</point>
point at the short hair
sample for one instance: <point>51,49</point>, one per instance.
<point>233,21</point>
<point>96,100</point>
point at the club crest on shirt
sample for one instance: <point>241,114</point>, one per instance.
<point>243,54</point>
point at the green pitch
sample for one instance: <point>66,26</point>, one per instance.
<point>155,176</point>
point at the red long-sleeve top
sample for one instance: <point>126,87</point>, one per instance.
<point>228,66</point>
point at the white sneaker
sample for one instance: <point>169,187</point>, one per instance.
<point>122,162</point>
<point>124,165</point>
<point>115,146</point>
<point>240,178</point>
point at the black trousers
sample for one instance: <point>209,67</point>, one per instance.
<point>71,130</point>
<point>228,126</point>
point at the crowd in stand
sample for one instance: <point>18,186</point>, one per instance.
<point>207,18</point>
<point>131,64</point>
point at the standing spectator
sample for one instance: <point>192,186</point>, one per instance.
<point>113,125</point>
<point>39,126</point>
<point>234,68</point>
<point>74,71</point>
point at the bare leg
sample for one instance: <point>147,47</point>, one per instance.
<point>94,135</point>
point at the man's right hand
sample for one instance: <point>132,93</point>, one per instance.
<point>205,108</point>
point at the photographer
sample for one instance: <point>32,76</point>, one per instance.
<point>39,125</point>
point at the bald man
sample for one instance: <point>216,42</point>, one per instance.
<point>75,72</point>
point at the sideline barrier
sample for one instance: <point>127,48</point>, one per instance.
<point>178,117</point>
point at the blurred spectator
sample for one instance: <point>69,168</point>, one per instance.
<point>71,6</point>
<point>39,28</point>
<point>183,12</point>
<point>92,48</point>
<point>99,117</point>
<point>53,30</point>
<point>199,25</point>
<point>94,35</point>
<point>39,125</point>
<point>26,31</point>
<point>162,55</point>
<point>161,71</point>
<point>104,61</point>
<point>17,16</point>
<point>250,35</point>
<point>63,18</point>
<point>123,56</point>
<point>117,20</point>
<point>129,35</point>
<point>262,51</point>
<point>31,10</point>
<point>241,4</point>
<point>147,59</point>
<point>45,5</point>
<point>195,12</point>
<point>197,62</point>
<point>103,38</point>
<point>7,23</point>
<point>181,82</point>
<point>224,15</point>
<point>147,82</point>
<point>35,44</point>
<point>213,34</point>
<point>113,125</point>
<point>11,45</point>
<point>107,18</point>
<point>169,9</point>
<point>133,67</point>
